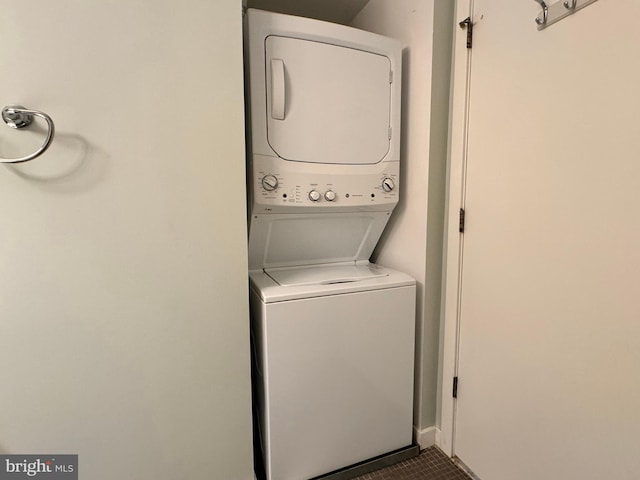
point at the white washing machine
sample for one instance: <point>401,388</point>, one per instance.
<point>333,334</point>
<point>334,366</point>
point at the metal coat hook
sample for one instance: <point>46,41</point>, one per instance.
<point>545,13</point>
<point>557,11</point>
<point>16,116</point>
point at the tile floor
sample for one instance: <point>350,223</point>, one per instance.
<point>431,464</point>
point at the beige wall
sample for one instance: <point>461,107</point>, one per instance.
<point>123,299</point>
<point>403,243</point>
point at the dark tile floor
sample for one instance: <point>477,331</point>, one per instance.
<point>431,464</point>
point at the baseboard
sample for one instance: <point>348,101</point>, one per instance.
<point>426,437</point>
<point>372,464</point>
<point>438,436</point>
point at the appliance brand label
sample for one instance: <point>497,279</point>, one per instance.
<point>45,467</point>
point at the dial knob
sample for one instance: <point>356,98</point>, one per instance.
<point>269,182</point>
<point>388,185</point>
<point>329,195</point>
<point>314,195</point>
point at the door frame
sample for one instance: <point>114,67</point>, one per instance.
<point>454,240</point>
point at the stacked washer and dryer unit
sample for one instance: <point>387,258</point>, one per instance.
<point>333,335</point>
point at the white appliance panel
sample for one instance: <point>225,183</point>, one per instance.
<point>326,103</point>
<point>298,239</point>
<point>338,379</point>
<point>354,188</point>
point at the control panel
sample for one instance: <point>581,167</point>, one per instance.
<point>280,186</point>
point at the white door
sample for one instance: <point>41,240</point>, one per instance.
<point>326,103</point>
<point>549,352</point>
<point>123,301</point>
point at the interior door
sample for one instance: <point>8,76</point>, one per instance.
<point>549,346</point>
<point>124,332</point>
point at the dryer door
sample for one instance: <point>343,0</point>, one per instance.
<point>325,103</point>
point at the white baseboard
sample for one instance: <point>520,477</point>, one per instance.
<point>466,469</point>
<point>426,437</point>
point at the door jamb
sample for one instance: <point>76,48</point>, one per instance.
<point>453,238</point>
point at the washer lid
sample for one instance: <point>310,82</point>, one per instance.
<point>269,291</point>
<point>325,275</point>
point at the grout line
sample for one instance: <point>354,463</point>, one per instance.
<point>431,464</point>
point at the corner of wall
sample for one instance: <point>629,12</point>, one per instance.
<point>426,437</point>
<point>438,154</point>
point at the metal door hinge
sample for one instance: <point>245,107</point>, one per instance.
<point>390,76</point>
<point>468,24</point>
<point>390,132</point>
<point>455,387</point>
<point>461,224</point>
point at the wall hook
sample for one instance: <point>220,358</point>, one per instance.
<point>559,9</point>
<point>545,13</point>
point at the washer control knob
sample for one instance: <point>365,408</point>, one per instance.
<point>269,182</point>
<point>329,195</point>
<point>314,195</point>
<point>388,185</point>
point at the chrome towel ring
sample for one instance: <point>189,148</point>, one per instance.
<point>16,116</point>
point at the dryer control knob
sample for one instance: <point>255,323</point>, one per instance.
<point>314,195</point>
<point>388,185</point>
<point>329,195</point>
<point>269,182</point>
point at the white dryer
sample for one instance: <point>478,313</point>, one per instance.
<point>333,334</point>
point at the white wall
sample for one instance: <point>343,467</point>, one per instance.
<point>123,299</point>
<point>443,25</point>
<point>403,244</point>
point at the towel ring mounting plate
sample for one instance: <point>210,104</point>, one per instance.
<point>16,116</point>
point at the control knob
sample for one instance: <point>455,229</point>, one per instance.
<point>314,195</point>
<point>329,195</point>
<point>388,185</point>
<point>269,182</point>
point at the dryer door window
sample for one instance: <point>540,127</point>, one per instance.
<point>325,103</point>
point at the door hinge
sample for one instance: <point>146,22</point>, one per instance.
<point>468,24</point>
<point>461,224</point>
<point>390,131</point>
<point>390,76</point>
<point>455,387</point>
